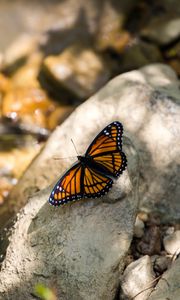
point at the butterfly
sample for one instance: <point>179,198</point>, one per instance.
<point>91,176</point>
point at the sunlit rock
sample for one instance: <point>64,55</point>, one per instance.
<point>27,75</point>
<point>172,243</point>
<point>137,277</point>
<point>27,105</point>
<point>78,72</point>
<point>5,83</point>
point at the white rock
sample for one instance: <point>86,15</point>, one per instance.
<point>137,277</point>
<point>172,243</point>
<point>138,228</point>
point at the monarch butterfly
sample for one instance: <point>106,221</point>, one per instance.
<point>91,176</point>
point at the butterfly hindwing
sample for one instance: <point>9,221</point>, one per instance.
<point>95,184</point>
<point>114,162</point>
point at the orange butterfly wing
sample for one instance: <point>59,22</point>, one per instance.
<point>114,162</point>
<point>108,140</point>
<point>79,182</point>
<point>106,149</point>
<point>68,188</point>
<point>95,184</point>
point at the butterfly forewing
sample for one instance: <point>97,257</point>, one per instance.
<point>106,149</point>
<point>68,188</point>
<point>108,140</point>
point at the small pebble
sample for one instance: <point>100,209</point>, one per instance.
<point>160,263</point>
<point>143,216</point>
<point>138,228</point>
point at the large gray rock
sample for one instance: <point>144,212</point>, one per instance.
<point>146,101</point>
<point>168,286</point>
<point>79,248</point>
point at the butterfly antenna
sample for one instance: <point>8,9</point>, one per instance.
<point>74,146</point>
<point>59,158</point>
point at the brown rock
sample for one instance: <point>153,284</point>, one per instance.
<point>5,83</point>
<point>139,54</point>
<point>161,264</point>
<point>27,75</point>
<point>151,241</point>
<point>77,72</point>
<point>143,216</point>
<point>111,21</point>
<point>28,105</point>
<point>118,41</point>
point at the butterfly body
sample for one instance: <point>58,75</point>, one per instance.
<point>92,175</point>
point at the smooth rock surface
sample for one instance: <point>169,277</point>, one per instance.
<point>79,248</point>
<point>146,101</point>
<point>172,243</point>
<point>168,286</point>
<point>138,228</point>
<point>163,30</point>
<point>137,277</point>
